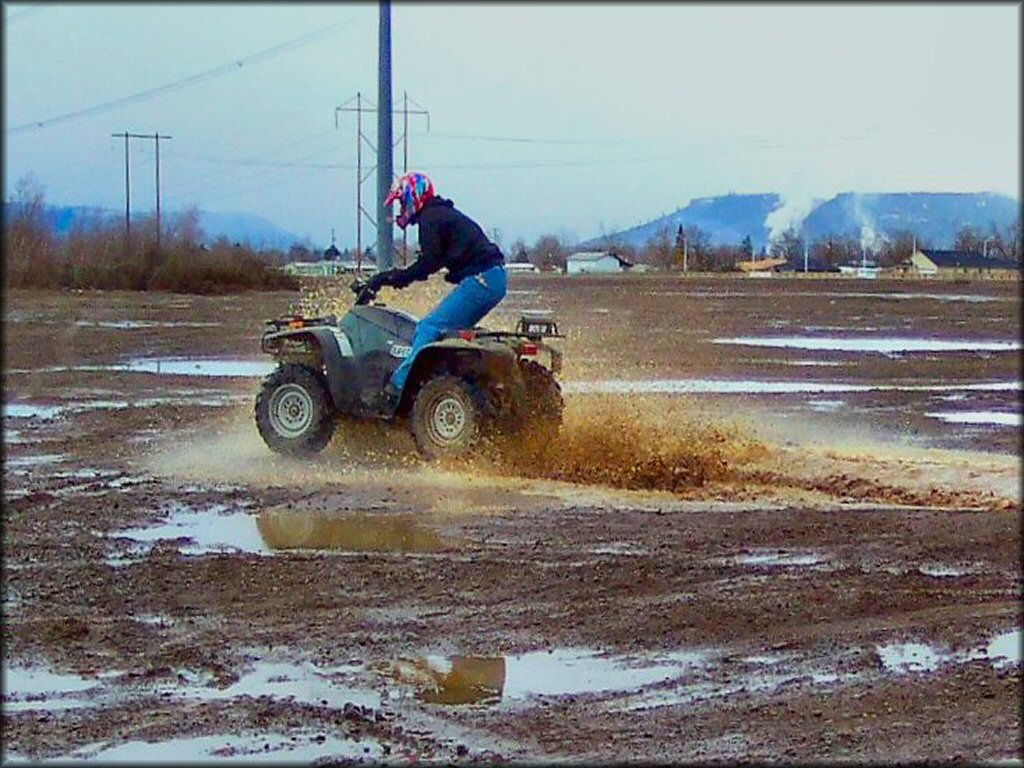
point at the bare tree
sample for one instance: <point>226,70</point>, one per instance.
<point>548,253</point>
<point>30,246</point>
<point>658,251</point>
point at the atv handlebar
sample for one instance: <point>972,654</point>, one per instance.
<point>364,293</point>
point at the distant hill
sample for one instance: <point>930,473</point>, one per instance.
<point>257,231</point>
<point>727,219</point>
<point>935,217</point>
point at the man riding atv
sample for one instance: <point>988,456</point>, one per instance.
<point>448,238</point>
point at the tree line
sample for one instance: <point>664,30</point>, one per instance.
<point>102,256</point>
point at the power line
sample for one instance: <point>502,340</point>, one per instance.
<point>25,14</point>
<point>209,74</point>
<point>523,140</point>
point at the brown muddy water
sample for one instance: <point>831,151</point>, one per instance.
<point>781,522</point>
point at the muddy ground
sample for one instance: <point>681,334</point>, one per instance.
<point>687,574</point>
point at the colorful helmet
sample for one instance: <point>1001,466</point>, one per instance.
<point>411,190</point>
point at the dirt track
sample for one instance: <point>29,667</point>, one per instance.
<point>845,585</point>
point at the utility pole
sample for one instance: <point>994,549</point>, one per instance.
<point>127,181</point>
<point>156,139</point>
<point>127,192</point>
<point>385,240</point>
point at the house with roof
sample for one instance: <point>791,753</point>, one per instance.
<point>596,262</point>
<point>929,262</point>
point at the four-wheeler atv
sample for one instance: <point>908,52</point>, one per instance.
<point>471,383</point>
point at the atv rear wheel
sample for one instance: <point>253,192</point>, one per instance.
<point>293,411</point>
<point>446,418</point>
<point>540,416</point>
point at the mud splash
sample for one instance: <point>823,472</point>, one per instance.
<point>636,443</point>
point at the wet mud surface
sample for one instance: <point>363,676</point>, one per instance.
<point>731,552</point>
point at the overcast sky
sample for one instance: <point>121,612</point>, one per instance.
<point>575,119</point>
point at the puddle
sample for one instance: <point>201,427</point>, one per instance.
<point>826,405</point>
<point>21,464</point>
<point>173,366</point>
<point>561,672</point>
<point>759,681</point>
<point>149,402</point>
<point>40,688</point>
<point>210,530</point>
<point>872,344</point>
<point>347,533</point>
<point>299,746</point>
<point>910,657</point>
<point>619,548</point>
<point>756,387</point>
<point>31,411</point>
<point>809,363</point>
<point>940,571</point>
<point>195,367</point>
<point>997,418</point>
<point>1002,650</point>
<point>135,324</point>
<point>779,558</point>
<point>300,682</point>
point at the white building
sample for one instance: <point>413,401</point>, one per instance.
<point>595,262</point>
<point>518,267</point>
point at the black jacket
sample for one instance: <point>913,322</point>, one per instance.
<point>448,238</point>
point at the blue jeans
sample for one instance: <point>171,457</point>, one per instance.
<point>464,307</point>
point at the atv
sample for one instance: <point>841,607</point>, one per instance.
<point>470,384</point>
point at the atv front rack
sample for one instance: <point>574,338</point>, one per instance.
<point>298,321</point>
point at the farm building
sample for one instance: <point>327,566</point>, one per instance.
<point>928,262</point>
<point>761,267</point>
<point>595,262</point>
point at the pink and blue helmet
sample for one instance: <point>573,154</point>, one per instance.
<point>412,191</point>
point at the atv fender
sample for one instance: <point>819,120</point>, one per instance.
<point>458,357</point>
<point>335,354</point>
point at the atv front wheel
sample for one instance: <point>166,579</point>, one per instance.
<point>293,411</point>
<point>446,419</point>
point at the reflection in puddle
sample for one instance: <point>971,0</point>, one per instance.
<point>210,530</point>
<point>347,533</point>
<point>561,672</point>
<point>872,344</point>
<point>997,418</point>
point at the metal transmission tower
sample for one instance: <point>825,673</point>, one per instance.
<point>385,252</point>
<point>364,105</point>
<point>127,181</point>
